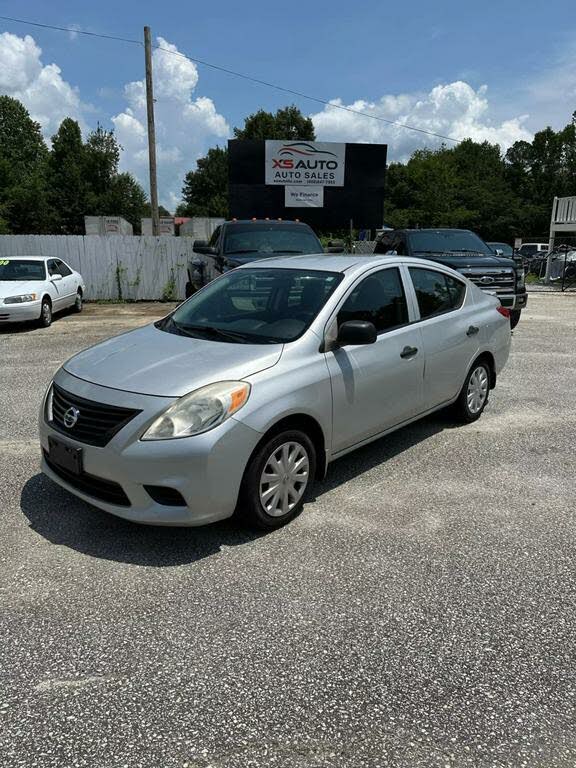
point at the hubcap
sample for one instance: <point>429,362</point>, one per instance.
<point>284,479</point>
<point>46,312</point>
<point>477,389</point>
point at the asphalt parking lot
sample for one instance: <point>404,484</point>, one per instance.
<point>420,612</point>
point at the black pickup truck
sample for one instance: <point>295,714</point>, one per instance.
<point>467,253</point>
<point>238,242</point>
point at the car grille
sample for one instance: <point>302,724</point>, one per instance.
<point>97,423</point>
<point>501,280</point>
<point>90,485</point>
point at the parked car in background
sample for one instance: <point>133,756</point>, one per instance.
<point>34,287</point>
<point>502,249</point>
<point>464,251</point>
<point>529,250</point>
<point>235,243</point>
<point>241,397</point>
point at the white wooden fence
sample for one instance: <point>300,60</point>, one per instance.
<point>114,267</point>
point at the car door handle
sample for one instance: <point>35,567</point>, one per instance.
<point>472,331</point>
<point>409,352</point>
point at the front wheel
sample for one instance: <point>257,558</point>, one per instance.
<point>277,480</point>
<point>78,302</point>
<point>474,394</point>
<point>514,317</point>
<point>45,319</point>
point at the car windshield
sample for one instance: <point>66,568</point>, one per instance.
<point>267,239</point>
<point>21,269</point>
<point>254,306</point>
<point>448,241</point>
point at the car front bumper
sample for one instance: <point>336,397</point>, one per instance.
<point>19,313</point>
<point>206,470</point>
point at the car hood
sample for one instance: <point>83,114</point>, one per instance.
<point>153,362</point>
<point>19,287</point>
<point>468,260</point>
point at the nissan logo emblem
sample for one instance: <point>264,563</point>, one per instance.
<point>71,417</point>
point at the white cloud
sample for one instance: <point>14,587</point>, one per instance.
<point>41,88</point>
<point>185,126</point>
<point>455,109</point>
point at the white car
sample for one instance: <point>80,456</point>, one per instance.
<point>34,287</point>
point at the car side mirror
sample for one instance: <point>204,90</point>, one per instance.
<point>55,277</point>
<point>201,246</point>
<point>355,332</point>
<point>335,246</point>
<point>499,252</point>
<point>391,253</point>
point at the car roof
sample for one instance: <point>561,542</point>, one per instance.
<point>337,263</point>
<point>28,258</point>
<point>290,222</point>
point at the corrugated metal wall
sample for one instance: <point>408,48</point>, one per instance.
<point>114,267</point>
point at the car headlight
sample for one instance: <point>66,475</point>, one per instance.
<point>199,411</point>
<point>20,299</point>
<point>520,278</point>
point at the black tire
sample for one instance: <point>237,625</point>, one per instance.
<point>465,411</point>
<point>45,319</point>
<point>78,303</point>
<point>515,317</point>
<point>250,507</point>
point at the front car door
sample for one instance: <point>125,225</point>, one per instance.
<point>450,332</point>
<point>377,386</point>
<point>68,284</point>
<point>57,285</point>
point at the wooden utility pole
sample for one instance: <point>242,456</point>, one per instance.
<point>151,133</point>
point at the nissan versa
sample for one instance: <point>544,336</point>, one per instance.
<point>241,397</point>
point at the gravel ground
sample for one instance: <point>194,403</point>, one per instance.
<point>420,612</point>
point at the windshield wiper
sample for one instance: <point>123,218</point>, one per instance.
<point>243,250</point>
<point>284,250</point>
<point>210,329</point>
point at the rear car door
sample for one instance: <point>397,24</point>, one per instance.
<point>450,332</point>
<point>375,386</point>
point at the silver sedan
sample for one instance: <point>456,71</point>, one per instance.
<point>240,398</point>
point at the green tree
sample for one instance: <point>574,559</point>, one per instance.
<point>288,124</point>
<point>67,178</point>
<point>102,157</point>
<point>24,205</point>
<point>125,197</point>
<point>205,190</point>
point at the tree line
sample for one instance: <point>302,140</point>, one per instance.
<point>471,185</point>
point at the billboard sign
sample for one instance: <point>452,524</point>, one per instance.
<point>309,163</point>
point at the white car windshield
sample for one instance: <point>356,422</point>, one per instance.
<point>254,306</point>
<point>21,270</point>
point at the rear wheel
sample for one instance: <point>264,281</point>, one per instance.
<point>474,394</point>
<point>277,480</point>
<point>514,317</point>
<point>45,319</point>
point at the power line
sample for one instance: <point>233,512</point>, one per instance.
<point>241,75</point>
<point>71,30</point>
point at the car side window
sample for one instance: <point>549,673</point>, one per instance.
<point>436,292</point>
<point>62,268</point>
<point>380,299</point>
<point>52,267</point>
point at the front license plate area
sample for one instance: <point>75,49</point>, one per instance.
<point>65,456</point>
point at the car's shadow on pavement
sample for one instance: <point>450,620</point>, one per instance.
<point>67,521</point>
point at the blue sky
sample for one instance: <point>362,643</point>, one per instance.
<point>498,70</point>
